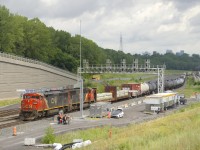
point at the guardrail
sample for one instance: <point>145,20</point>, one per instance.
<point>15,57</point>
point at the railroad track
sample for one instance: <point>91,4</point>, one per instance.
<point>11,124</point>
<point>9,112</point>
<point>9,118</point>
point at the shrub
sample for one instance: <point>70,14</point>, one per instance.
<point>49,137</point>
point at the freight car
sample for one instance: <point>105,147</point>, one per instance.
<point>35,105</point>
<point>138,89</point>
<point>174,83</point>
<point>151,87</point>
<point>117,94</point>
<point>112,93</point>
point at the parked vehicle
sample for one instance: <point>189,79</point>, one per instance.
<point>118,113</point>
<point>183,100</point>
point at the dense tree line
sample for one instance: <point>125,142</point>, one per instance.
<point>33,39</point>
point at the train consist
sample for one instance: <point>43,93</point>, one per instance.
<point>40,104</point>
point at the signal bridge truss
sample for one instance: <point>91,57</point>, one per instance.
<point>126,68</point>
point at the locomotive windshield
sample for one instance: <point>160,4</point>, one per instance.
<point>29,97</point>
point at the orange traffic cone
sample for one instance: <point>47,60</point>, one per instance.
<point>14,131</point>
<point>109,114</point>
<point>110,133</point>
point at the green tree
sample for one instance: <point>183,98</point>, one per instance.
<point>62,40</point>
<point>19,37</point>
<point>38,40</point>
<point>6,30</point>
<point>65,61</point>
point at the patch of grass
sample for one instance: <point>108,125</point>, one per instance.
<point>175,71</point>
<point>177,131</point>
<point>93,134</point>
<point>190,88</point>
<point>9,102</point>
<point>49,137</point>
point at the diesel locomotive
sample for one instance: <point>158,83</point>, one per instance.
<point>41,104</point>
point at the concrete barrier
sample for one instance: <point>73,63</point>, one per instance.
<point>16,73</point>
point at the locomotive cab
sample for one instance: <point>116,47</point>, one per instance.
<point>30,105</point>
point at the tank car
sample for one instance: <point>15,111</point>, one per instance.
<point>174,83</point>
<point>152,87</point>
<point>35,105</point>
<point>168,84</point>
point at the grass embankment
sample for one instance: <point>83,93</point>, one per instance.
<point>179,131</point>
<point>9,102</point>
<point>174,72</point>
<point>190,88</point>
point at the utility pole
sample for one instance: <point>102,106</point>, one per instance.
<point>81,80</point>
<point>161,80</point>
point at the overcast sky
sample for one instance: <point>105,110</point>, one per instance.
<point>145,25</point>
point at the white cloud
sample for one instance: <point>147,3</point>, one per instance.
<point>145,25</point>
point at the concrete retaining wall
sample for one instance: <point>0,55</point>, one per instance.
<point>21,73</point>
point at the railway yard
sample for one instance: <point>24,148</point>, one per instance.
<point>14,131</point>
<point>133,109</point>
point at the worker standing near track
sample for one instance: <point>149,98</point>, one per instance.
<point>59,118</point>
<point>66,119</point>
